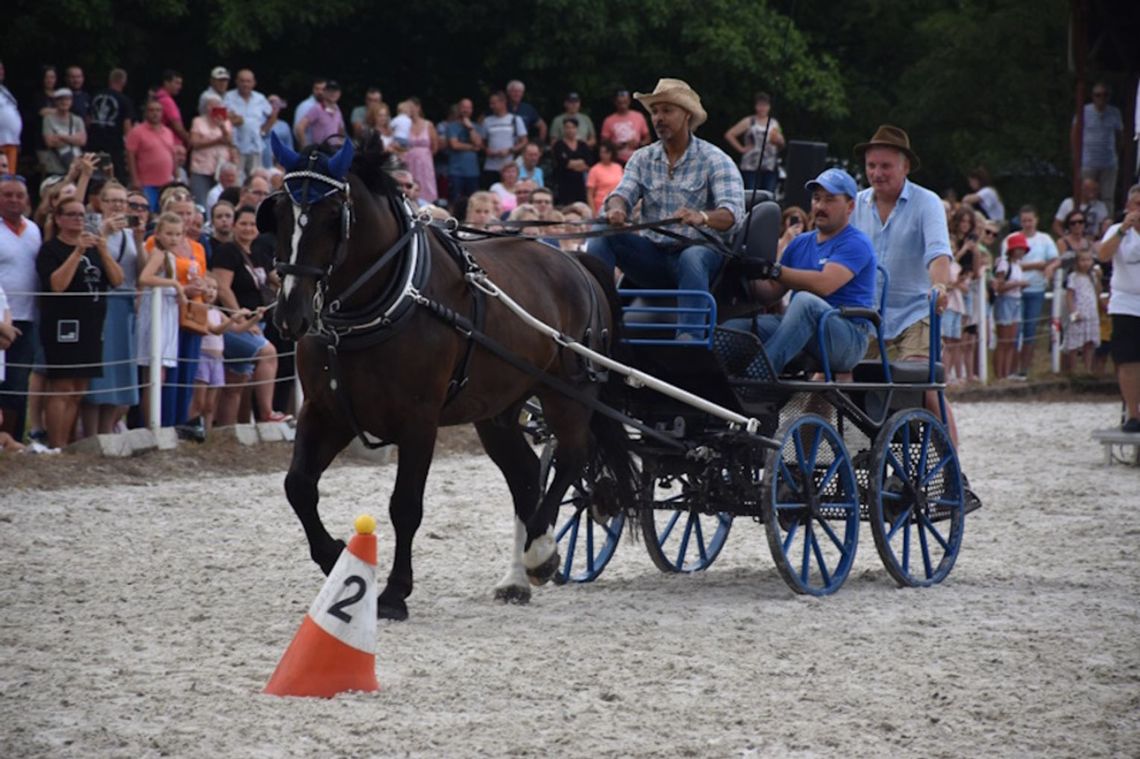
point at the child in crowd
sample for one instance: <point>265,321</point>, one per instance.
<point>952,320</point>
<point>1082,291</point>
<point>481,210</point>
<point>211,376</point>
<point>159,271</point>
<point>1008,283</point>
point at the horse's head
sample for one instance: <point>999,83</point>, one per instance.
<point>312,221</point>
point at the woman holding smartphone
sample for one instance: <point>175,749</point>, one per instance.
<point>79,263</point>
<point>212,143</point>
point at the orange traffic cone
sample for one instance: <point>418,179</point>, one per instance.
<point>335,649</point>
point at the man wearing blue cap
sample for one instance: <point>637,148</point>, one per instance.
<point>829,267</point>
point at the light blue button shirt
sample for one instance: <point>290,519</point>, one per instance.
<point>254,112</point>
<point>913,237</point>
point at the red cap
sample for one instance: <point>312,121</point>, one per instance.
<point>1016,241</point>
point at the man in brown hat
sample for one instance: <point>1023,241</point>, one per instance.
<point>907,226</point>
<point>679,176</point>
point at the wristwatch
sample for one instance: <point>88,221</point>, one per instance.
<point>776,271</point>
<point>704,219</point>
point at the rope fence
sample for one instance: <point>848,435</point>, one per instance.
<point>155,354</point>
<point>1052,329</point>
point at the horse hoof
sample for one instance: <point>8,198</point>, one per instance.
<point>541,574</point>
<point>392,612</point>
<point>328,560</point>
<point>513,594</point>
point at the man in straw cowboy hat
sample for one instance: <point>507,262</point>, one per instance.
<point>680,176</point>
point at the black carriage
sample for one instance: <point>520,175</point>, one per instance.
<point>717,436</point>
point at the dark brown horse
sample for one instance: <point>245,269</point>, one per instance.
<point>378,300</point>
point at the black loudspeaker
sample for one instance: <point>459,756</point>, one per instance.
<point>804,162</point>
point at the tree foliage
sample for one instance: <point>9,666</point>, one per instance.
<point>974,81</point>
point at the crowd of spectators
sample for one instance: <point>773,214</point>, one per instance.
<point>161,195</point>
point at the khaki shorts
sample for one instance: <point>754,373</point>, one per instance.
<point>912,342</point>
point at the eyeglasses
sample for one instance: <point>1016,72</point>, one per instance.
<point>115,201</point>
<point>138,206</point>
<point>13,178</point>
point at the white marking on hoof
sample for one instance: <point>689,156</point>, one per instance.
<point>515,586</point>
<point>540,550</point>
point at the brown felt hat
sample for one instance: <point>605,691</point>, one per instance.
<point>888,136</point>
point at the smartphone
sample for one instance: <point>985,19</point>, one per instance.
<point>218,111</point>
<point>104,160</point>
<point>92,222</point>
<point>132,220</point>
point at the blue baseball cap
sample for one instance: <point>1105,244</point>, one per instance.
<point>835,181</point>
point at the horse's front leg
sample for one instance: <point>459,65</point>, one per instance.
<point>570,424</point>
<point>406,510</point>
<point>508,448</point>
<point>318,441</point>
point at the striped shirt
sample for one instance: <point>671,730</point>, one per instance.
<point>1098,144</point>
<point>703,179</point>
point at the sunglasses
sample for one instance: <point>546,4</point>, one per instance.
<point>13,178</point>
<point>138,206</point>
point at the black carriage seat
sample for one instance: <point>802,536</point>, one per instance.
<point>757,237</point>
<point>902,372</point>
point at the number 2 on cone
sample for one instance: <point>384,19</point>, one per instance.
<point>337,609</point>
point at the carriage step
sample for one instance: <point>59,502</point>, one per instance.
<point>742,355</point>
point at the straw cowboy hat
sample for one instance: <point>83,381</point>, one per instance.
<point>888,136</point>
<point>679,94</point>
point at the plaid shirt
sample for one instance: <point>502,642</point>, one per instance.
<point>704,179</point>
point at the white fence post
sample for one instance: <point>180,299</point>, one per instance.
<point>155,359</point>
<point>1055,324</point>
<point>981,318</point>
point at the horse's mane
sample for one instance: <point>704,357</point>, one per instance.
<point>371,165</point>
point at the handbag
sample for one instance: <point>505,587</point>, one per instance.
<point>193,316</point>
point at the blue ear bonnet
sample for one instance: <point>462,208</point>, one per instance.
<point>315,175</point>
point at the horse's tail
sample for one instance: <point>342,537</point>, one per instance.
<point>609,434</point>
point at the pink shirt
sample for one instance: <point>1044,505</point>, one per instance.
<point>324,122</point>
<point>629,128</point>
<point>206,160</point>
<point>154,153</point>
<point>170,113</point>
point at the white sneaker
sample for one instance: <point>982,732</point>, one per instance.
<point>38,447</point>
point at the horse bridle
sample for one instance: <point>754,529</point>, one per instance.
<point>347,216</point>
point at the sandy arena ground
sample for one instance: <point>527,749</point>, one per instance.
<point>143,621</point>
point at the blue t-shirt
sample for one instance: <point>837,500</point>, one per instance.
<point>461,163</point>
<point>851,249</point>
<point>913,237</point>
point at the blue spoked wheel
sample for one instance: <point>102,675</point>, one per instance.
<point>681,533</point>
<point>917,504</point>
<point>586,536</point>
<point>811,506</point>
